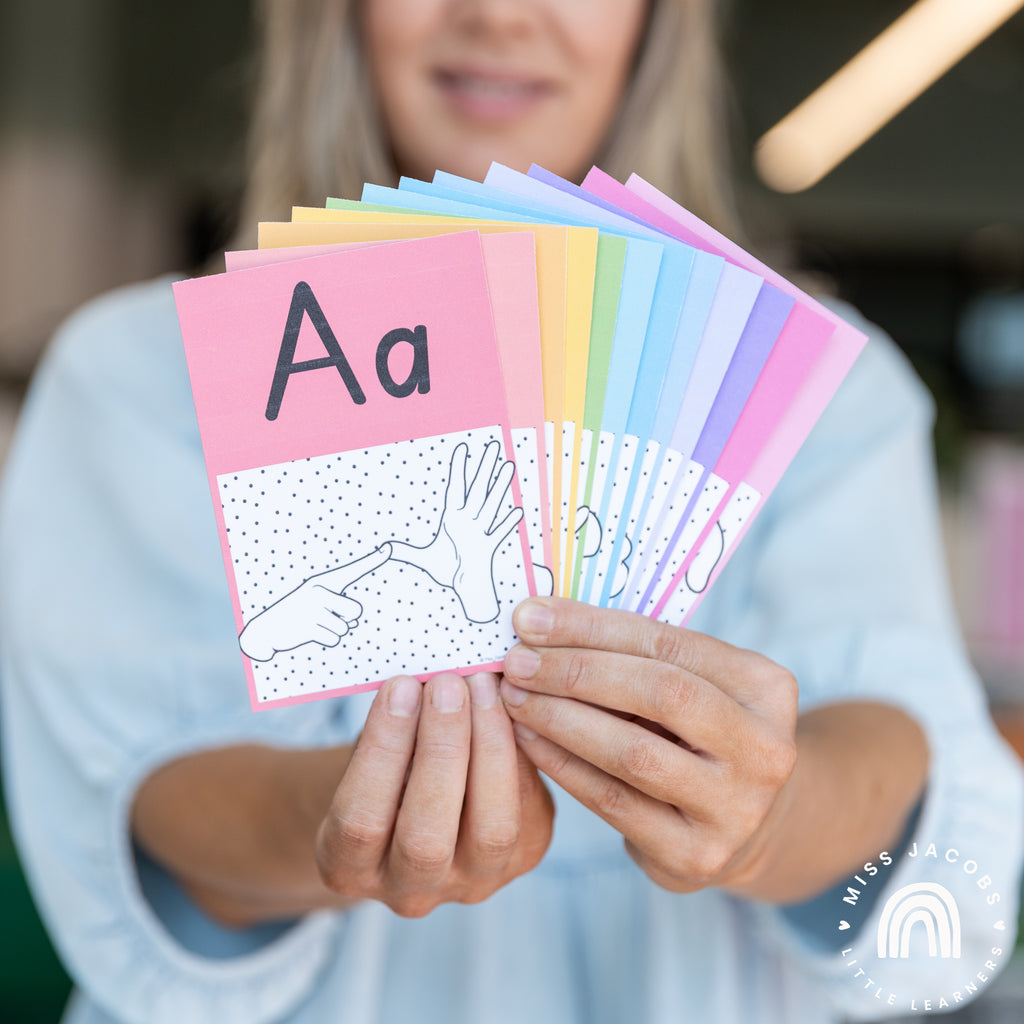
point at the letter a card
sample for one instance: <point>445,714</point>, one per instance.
<point>355,430</point>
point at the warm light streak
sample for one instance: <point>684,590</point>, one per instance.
<point>891,71</point>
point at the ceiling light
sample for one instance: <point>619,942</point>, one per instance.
<point>891,71</point>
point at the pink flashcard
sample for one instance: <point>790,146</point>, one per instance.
<point>355,430</point>
<point>510,262</point>
<point>510,265</point>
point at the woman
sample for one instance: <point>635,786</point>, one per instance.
<point>197,862</point>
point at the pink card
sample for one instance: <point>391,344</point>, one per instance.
<point>511,268</point>
<point>355,431</point>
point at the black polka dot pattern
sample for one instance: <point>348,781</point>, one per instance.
<point>524,444</point>
<point>618,486</point>
<point>704,507</point>
<point>291,521</point>
<point>676,486</point>
<point>598,491</point>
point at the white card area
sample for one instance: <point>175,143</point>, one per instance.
<point>704,508</point>
<point>549,455</point>
<point>528,470</point>
<point>581,539</point>
<point>616,487</point>
<point>648,510</point>
<point>650,470</point>
<point>713,554</point>
<point>589,534</point>
<point>643,472</point>
<point>567,518</point>
<point>660,526</point>
<point>289,522</point>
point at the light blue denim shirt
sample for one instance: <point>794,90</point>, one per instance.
<point>119,653</point>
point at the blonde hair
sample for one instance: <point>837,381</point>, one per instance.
<point>316,130</point>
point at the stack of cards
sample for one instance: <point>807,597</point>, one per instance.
<point>422,407</point>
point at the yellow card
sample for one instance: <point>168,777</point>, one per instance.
<point>582,263</point>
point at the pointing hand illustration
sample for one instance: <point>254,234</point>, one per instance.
<point>459,557</point>
<point>315,611</point>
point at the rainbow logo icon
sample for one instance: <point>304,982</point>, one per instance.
<point>924,903</point>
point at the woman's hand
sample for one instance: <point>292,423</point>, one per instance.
<point>682,743</point>
<point>436,805</point>
<point>693,750</point>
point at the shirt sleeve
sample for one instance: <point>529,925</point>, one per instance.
<point>118,655</point>
<point>842,580</point>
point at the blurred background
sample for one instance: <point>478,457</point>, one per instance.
<point>121,155</point>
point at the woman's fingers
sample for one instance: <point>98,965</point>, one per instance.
<point>655,829</point>
<point>746,676</point>
<point>690,707</point>
<point>492,814</point>
<point>658,728</point>
<point>427,827</point>
<point>679,850</point>
<point>538,813</point>
<point>679,741</point>
<point>437,804</point>
<point>626,750</point>
<point>353,840</point>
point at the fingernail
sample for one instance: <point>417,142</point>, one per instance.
<point>534,617</point>
<point>523,732</point>
<point>447,693</point>
<point>483,689</point>
<point>512,694</point>
<point>522,662</point>
<point>404,696</point>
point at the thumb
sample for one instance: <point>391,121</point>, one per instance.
<point>537,804</point>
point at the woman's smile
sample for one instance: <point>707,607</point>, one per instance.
<point>491,95</point>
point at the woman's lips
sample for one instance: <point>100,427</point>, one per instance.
<point>490,96</point>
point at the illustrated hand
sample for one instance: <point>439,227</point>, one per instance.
<point>436,805</point>
<point>316,611</point>
<point>681,742</point>
<point>461,553</point>
<point>698,576</point>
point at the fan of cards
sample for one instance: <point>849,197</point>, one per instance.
<point>420,408</point>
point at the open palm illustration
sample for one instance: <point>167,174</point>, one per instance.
<point>590,537</point>
<point>461,553</point>
<point>698,576</point>
<point>459,557</point>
